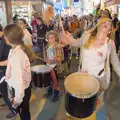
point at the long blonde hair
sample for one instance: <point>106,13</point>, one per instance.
<point>93,32</point>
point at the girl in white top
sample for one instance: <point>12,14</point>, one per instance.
<point>18,73</point>
<point>27,39</point>
<point>97,51</point>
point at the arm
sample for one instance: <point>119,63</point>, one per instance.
<point>29,39</point>
<point>114,59</point>
<point>3,63</point>
<point>68,38</point>
<point>1,48</point>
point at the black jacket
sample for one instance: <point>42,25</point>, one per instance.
<point>41,30</point>
<point>4,51</point>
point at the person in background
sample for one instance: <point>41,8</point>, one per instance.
<point>41,33</point>
<point>115,20</point>
<point>18,79</point>
<point>106,14</point>
<point>50,25</point>
<point>117,36</point>
<point>33,24</point>
<point>27,39</point>
<point>15,18</point>
<point>4,51</point>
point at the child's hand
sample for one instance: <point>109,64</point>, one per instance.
<point>48,61</point>
<point>57,58</point>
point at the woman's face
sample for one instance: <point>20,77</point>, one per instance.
<point>39,22</point>
<point>105,27</point>
<point>51,39</point>
<point>21,23</point>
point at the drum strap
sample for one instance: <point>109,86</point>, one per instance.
<point>101,71</point>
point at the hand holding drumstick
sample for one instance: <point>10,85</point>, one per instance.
<point>66,38</point>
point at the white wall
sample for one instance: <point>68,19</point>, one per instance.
<point>88,7</point>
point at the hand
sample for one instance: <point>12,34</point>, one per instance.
<point>66,38</point>
<point>48,61</point>
<point>57,59</point>
<point>15,104</point>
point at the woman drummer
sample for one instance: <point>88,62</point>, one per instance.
<point>98,49</point>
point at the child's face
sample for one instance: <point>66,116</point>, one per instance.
<point>22,25</point>
<point>51,39</point>
<point>39,22</point>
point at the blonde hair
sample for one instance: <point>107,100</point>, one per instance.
<point>52,32</point>
<point>93,32</point>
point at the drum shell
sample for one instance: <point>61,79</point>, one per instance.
<point>78,107</point>
<point>41,79</point>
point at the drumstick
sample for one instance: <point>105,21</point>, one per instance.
<point>42,60</point>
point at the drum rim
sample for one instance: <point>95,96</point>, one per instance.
<point>40,71</point>
<point>87,95</point>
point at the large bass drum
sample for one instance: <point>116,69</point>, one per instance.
<point>81,95</point>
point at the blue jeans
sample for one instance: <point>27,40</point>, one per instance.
<point>4,92</point>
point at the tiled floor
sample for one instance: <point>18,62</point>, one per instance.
<point>44,109</point>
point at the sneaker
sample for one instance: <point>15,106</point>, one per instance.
<point>11,115</point>
<point>47,95</point>
<point>55,98</point>
<point>3,105</point>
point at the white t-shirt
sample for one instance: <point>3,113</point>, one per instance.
<point>18,73</point>
<point>50,56</point>
<point>27,38</point>
<point>93,60</point>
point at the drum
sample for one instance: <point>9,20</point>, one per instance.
<point>41,76</point>
<point>81,94</point>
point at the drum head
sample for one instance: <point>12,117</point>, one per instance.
<point>81,85</point>
<point>41,69</point>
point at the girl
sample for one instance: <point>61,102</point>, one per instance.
<point>98,41</point>
<point>18,73</point>
<point>53,59</point>
<point>27,39</point>
<point>97,52</point>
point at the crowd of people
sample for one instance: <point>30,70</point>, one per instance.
<point>20,45</point>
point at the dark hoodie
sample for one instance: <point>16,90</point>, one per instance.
<point>4,51</point>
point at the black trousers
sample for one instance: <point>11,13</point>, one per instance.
<point>24,108</point>
<point>4,92</point>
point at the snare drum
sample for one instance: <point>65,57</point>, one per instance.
<point>41,76</point>
<point>81,94</point>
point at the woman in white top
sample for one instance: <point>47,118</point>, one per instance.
<point>97,51</point>
<point>27,39</point>
<point>18,73</point>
